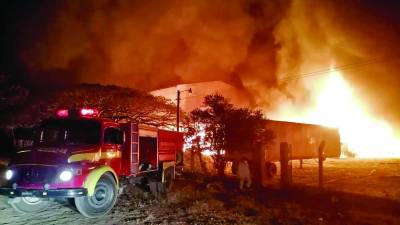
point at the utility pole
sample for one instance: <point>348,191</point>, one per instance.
<point>178,101</point>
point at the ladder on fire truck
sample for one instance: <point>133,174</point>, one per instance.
<point>135,148</point>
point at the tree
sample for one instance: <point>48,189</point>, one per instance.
<point>12,97</point>
<point>210,120</point>
<point>112,101</point>
<point>228,128</point>
<point>193,136</point>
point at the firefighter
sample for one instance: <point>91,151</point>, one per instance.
<point>243,173</point>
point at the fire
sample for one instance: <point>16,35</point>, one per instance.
<point>336,105</point>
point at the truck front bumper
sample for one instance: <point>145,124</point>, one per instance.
<point>68,193</point>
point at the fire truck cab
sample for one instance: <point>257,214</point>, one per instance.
<point>80,156</point>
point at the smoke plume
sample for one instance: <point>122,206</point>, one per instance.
<point>361,38</point>
<point>252,44</point>
<point>154,44</point>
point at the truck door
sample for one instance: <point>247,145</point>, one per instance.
<point>112,147</point>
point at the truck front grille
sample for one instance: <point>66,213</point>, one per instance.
<point>37,174</point>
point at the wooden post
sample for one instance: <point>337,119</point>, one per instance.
<point>321,159</point>
<point>284,160</point>
<point>192,159</point>
<point>257,164</point>
<point>301,163</point>
<point>290,165</point>
<point>178,100</point>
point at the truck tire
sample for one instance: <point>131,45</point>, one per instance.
<point>103,199</point>
<point>29,204</point>
<point>270,169</point>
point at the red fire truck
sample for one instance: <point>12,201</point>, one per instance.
<point>80,156</point>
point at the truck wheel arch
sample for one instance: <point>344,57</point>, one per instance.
<point>167,167</point>
<point>94,176</point>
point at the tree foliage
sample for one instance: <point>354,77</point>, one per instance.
<point>12,95</point>
<point>212,118</point>
<point>227,128</point>
<point>112,101</point>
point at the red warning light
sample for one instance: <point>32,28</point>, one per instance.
<point>89,112</point>
<point>62,113</point>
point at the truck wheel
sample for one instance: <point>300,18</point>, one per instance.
<point>270,168</point>
<point>29,204</point>
<point>102,200</point>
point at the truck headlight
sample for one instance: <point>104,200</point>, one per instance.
<point>9,174</point>
<point>66,175</point>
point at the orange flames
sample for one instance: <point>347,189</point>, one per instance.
<point>336,105</point>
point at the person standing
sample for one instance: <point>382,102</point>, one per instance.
<point>243,173</point>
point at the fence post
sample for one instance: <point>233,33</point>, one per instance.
<point>285,170</point>
<point>258,159</point>
<point>321,159</point>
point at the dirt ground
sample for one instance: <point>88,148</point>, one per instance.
<point>355,192</point>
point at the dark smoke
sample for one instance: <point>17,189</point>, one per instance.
<point>250,44</point>
<point>155,44</point>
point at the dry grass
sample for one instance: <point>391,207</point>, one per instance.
<point>356,192</point>
<point>376,178</point>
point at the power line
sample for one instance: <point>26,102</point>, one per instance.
<point>336,68</point>
<point>325,72</point>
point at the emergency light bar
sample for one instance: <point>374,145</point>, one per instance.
<point>89,112</point>
<point>83,112</point>
<point>62,113</point>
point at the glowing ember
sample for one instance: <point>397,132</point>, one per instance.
<point>336,106</point>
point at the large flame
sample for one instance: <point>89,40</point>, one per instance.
<point>336,105</point>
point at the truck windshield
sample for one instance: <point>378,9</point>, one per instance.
<point>68,132</point>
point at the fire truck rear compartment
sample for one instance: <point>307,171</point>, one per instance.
<point>147,153</point>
